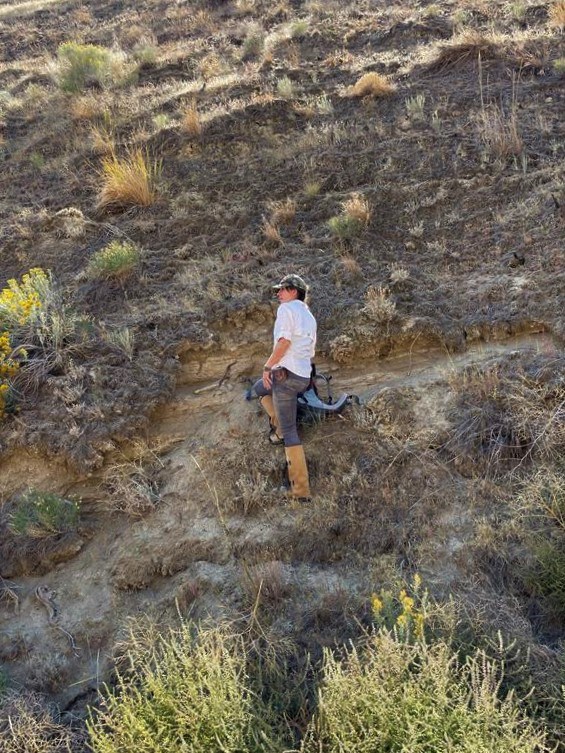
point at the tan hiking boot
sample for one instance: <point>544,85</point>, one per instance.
<point>297,471</point>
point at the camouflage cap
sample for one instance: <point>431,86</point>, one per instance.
<point>292,281</point>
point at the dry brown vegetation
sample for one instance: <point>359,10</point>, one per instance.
<point>129,180</point>
<point>212,148</point>
<point>372,85</point>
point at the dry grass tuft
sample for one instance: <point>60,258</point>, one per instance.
<point>85,108</point>
<point>557,14</point>
<point>372,85</point>
<point>358,208</point>
<point>282,212</point>
<point>499,132</point>
<point>508,413</point>
<point>378,304</point>
<point>271,233</point>
<point>469,44</point>
<point>267,583</point>
<point>29,725</point>
<point>132,483</point>
<point>354,218</point>
<point>102,141</point>
<point>191,122</point>
<point>349,267</point>
<point>129,180</point>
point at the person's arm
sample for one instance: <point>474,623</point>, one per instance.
<point>280,348</point>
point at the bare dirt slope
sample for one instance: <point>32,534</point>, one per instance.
<point>407,159</point>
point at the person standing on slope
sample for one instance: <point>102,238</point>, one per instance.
<point>287,373</point>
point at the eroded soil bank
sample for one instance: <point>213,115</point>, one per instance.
<point>386,491</point>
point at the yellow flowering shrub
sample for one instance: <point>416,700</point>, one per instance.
<point>8,369</point>
<point>21,303</point>
<point>403,614</point>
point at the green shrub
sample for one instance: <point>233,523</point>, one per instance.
<point>285,88</point>
<point>542,504</point>
<point>547,576</point>
<point>39,514</point>
<point>83,64</point>
<point>3,681</point>
<point>254,42</point>
<point>185,693</point>
<point>559,66</point>
<point>345,227</point>
<point>117,260</point>
<point>396,697</point>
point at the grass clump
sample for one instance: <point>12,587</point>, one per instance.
<point>547,576</point>
<point>38,514</point>
<point>81,65</point>
<point>499,132</point>
<point>285,88</point>
<point>185,692</point>
<point>29,725</point>
<point>542,503</point>
<point>128,181</point>
<point>415,107</point>
<point>378,304</point>
<point>559,66</point>
<point>557,14</point>
<point>509,413</point>
<point>115,261</point>
<point>354,218</point>
<point>191,122</point>
<point>372,85</point>
<point>254,42</point>
<point>399,696</point>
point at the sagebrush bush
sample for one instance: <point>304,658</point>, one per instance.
<point>38,514</point>
<point>254,42</point>
<point>21,306</point>
<point>9,367</point>
<point>21,302</point>
<point>185,692</point>
<point>117,260</point>
<point>81,65</point>
<point>395,696</point>
<point>128,181</point>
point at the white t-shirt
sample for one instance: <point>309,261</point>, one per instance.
<point>295,322</point>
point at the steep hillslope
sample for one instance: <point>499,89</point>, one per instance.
<point>407,160</point>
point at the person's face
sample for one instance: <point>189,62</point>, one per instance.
<point>287,294</point>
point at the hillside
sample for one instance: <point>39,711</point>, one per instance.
<point>163,164</point>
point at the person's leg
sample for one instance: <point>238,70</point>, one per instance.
<point>285,400</point>
<point>266,400</point>
<point>285,395</point>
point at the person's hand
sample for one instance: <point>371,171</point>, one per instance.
<point>267,380</point>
